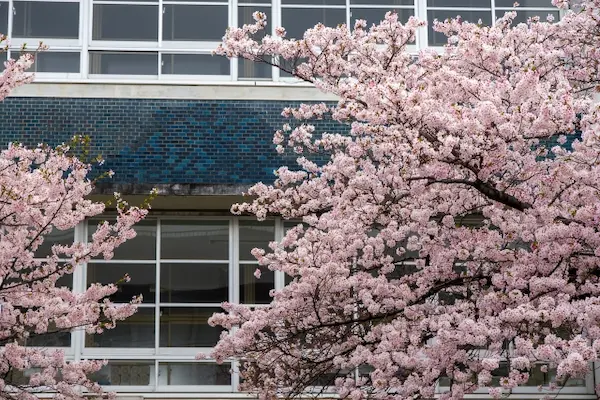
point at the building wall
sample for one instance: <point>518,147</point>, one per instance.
<point>160,140</point>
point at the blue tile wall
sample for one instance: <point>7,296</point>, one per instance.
<point>160,141</point>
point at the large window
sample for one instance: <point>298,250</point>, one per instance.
<point>173,40</point>
<point>184,269</point>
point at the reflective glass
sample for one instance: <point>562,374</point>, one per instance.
<point>143,245</point>
<point>254,234</point>
<point>142,280</point>
<point>194,22</point>
<point>42,19</point>
<point>523,15</point>
<point>194,64</point>
<point>202,240</point>
<point>66,237</point>
<point>375,15</point>
<point>135,331</point>
<point>297,20</point>
<point>194,283</point>
<point>188,327</point>
<point>255,290</point>
<point>439,39</point>
<point>194,374</point>
<point>125,22</point>
<point>125,373</point>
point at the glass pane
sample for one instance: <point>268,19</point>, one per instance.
<point>439,39</point>
<point>183,22</point>
<point>4,18</point>
<point>52,339</point>
<point>255,290</point>
<point>123,63</point>
<point>201,240</point>
<point>255,234</point>
<point>66,237</point>
<point>194,283</point>
<point>141,283</point>
<point>56,62</point>
<point>523,15</point>
<point>375,15</point>
<point>194,64</point>
<point>384,2</point>
<point>125,22</point>
<point>459,3</point>
<point>135,331</point>
<point>194,374</point>
<point>245,17</point>
<point>254,2</point>
<point>539,378</point>
<point>125,373</point>
<point>249,69</point>
<point>143,245</point>
<point>188,327</point>
<point>41,19</point>
<point>316,2</point>
<point>297,20</point>
<point>65,281</point>
<point>524,3</point>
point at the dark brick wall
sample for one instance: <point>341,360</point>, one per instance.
<point>159,141</point>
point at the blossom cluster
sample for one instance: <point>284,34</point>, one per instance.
<point>454,228</point>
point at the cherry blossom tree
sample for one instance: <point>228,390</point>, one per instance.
<point>44,189</point>
<point>451,239</point>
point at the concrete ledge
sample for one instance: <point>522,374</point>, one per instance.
<point>182,91</point>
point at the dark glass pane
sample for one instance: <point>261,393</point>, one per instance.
<point>524,3</point>
<point>254,2</point>
<point>249,69</point>
<point>439,39</point>
<point>195,374</point>
<point>188,327</point>
<point>111,63</point>
<point>245,17</point>
<point>51,339</point>
<point>523,15</point>
<point>56,62</point>
<point>135,331</point>
<point>297,20</point>
<point>202,240</point>
<point>539,378</point>
<point>183,22</point>
<point>194,64</point>
<point>124,373</point>
<point>66,237</point>
<point>4,18</point>
<point>141,283</point>
<point>125,22</point>
<point>460,3</point>
<point>194,283</point>
<point>143,245</point>
<point>255,290</point>
<point>316,2</point>
<point>41,19</point>
<point>384,2</point>
<point>255,234</point>
<point>375,15</point>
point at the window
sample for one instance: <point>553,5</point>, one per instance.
<point>194,22</point>
<point>249,69</point>
<point>40,19</point>
<point>123,63</point>
<point>174,39</point>
<point>125,22</point>
<point>194,64</point>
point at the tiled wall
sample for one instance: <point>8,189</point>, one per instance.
<point>159,141</point>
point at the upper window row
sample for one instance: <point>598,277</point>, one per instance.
<point>175,37</point>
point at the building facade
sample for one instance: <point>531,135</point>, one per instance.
<point>139,78</point>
